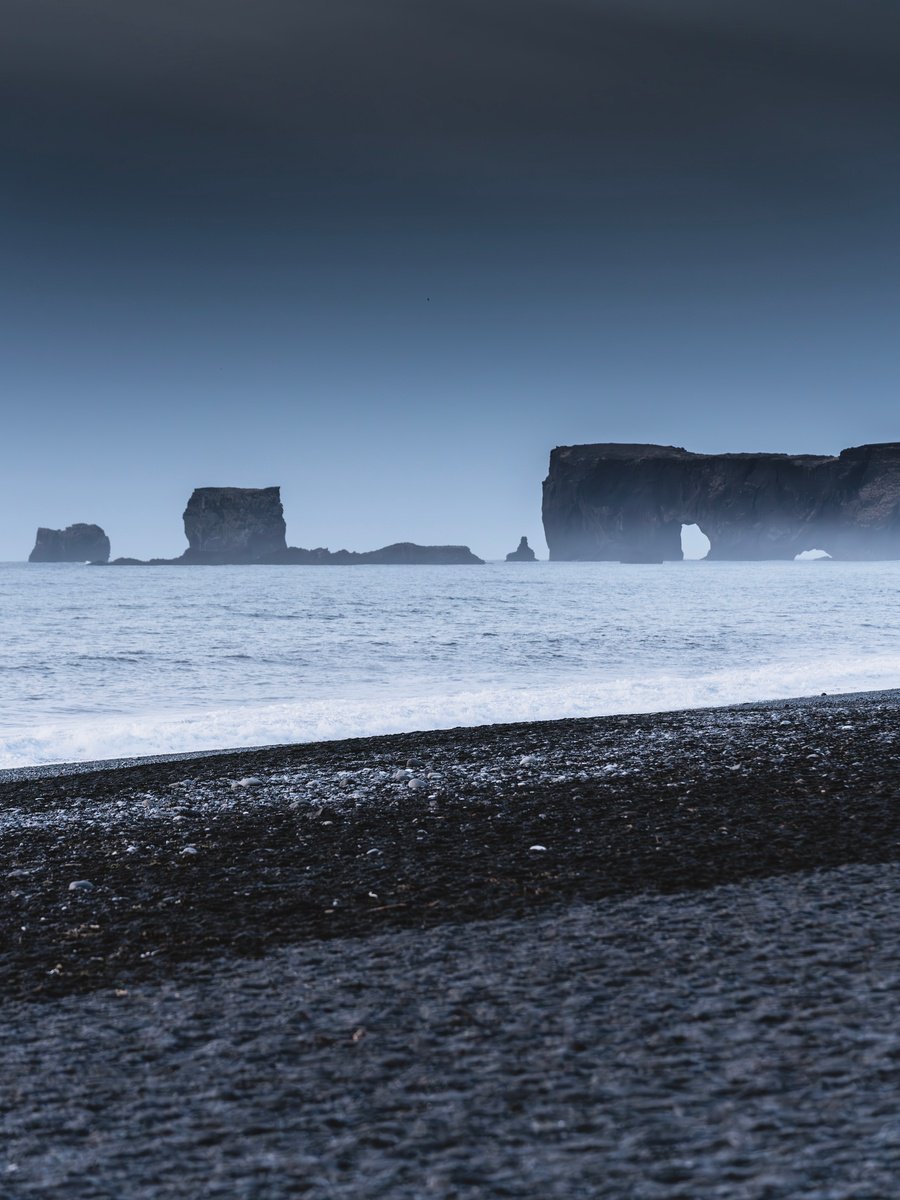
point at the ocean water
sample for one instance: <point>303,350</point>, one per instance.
<point>103,663</point>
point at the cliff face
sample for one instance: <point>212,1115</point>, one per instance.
<point>628,502</point>
<point>233,525</point>
<point>76,543</point>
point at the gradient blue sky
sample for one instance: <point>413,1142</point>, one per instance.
<point>388,254</point>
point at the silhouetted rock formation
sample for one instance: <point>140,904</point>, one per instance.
<point>522,553</point>
<point>398,554</point>
<point>233,525</point>
<point>77,543</point>
<point>246,525</point>
<point>628,502</point>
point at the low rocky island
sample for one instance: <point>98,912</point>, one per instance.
<point>229,525</point>
<point>397,554</point>
<point>78,543</point>
<point>522,553</point>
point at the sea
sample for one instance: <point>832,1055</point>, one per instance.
<point>106,663</point>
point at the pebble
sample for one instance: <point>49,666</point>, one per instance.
<point>190,850</point>
<point>81,885</point>
<point>537,847</point>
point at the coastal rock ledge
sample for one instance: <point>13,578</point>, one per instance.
<point>76,544</point>
<point>627,503</point>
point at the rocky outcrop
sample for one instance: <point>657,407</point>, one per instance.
<point>76,543</point>
<point>398,554</point>
<point>233,525</point>
<point>618,502</point>
<point>246,525</point>
<point>410,554</point>
<point>522,553</point>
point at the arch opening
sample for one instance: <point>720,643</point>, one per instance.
<point>811,555</point>
<point>694,543</point>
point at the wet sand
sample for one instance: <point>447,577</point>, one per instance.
<point>632,956</point>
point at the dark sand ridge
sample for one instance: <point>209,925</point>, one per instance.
<point>319,970</point>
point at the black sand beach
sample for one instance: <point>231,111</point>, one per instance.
<point>642,956</point>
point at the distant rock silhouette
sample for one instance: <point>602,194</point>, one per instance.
<point>233,525</point>
<point>397,554</point>
<point>522,553</point>
<point>77,543</point>
<point>246,525</point>
<point>627,503</point>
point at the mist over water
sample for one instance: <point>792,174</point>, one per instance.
<point>99,663</point>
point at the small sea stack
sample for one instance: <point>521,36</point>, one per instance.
<point>78,543</point>
<point>522,553</point>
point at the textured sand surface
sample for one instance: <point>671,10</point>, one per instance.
<point>351,986</point>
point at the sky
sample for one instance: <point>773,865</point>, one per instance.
<point>388,253</point>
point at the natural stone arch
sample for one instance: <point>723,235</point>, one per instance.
<point>617,502</point>
<point>695,542</point>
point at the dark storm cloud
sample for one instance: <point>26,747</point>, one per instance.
<point>465,110</point>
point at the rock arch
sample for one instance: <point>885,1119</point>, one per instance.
<point>628,502</point>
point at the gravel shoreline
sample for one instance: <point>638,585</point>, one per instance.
<point>583,867</point>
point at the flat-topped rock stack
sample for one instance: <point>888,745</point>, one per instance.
<point>234,525</point>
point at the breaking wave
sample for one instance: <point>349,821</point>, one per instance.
<point>111,737</point>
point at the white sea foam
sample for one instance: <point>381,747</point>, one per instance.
<point>76,740</point>
<point>107,664</point>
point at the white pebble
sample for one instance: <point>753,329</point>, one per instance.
<point>537,847</point>
<point>81,885</point>
<point>190,850</point>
